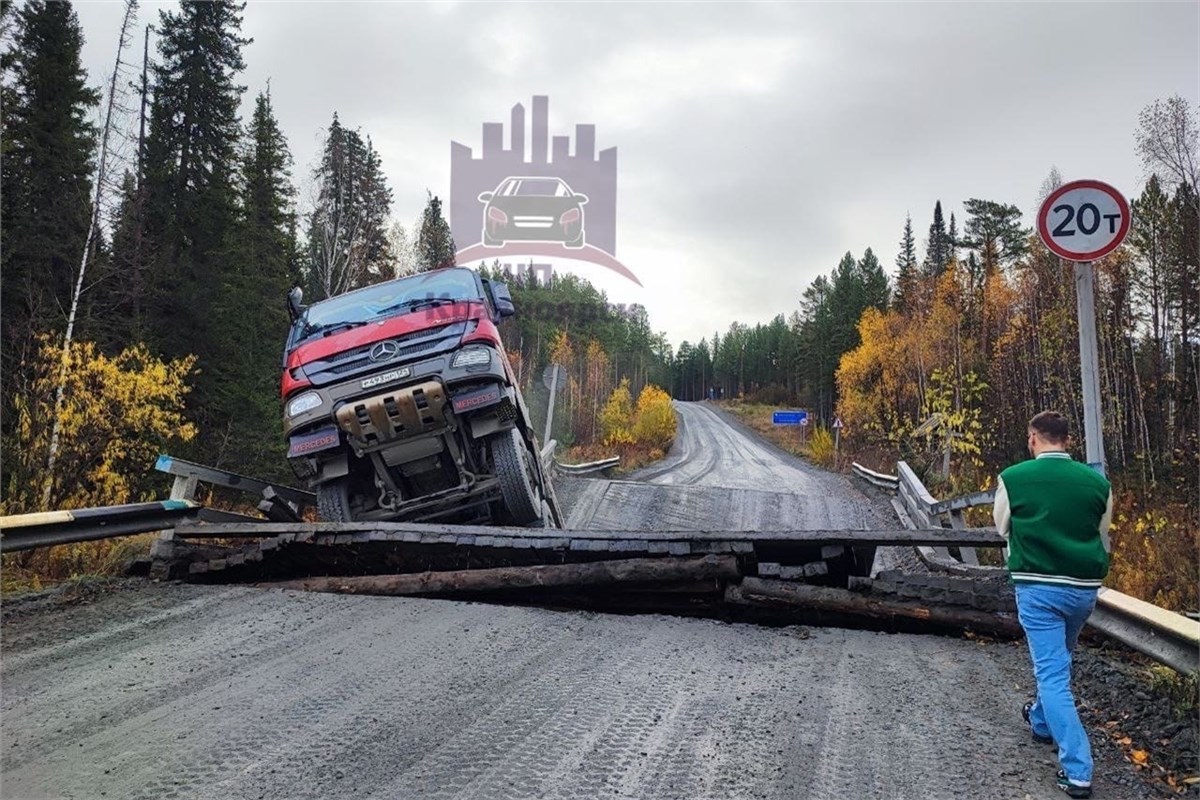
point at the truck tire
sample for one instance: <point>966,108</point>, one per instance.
<point>333,500</point>
<point>518,484</point>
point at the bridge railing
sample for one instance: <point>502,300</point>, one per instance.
<point>1169,638</point>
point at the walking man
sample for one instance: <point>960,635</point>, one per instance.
<point>1054,512</point>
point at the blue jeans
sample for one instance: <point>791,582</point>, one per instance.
<point>1052,617</point>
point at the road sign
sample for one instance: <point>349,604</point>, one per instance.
<point>1084,220</point>
<point>548,378</point>
<point>790,418</point>
<point>837,424</point>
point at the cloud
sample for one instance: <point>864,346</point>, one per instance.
<point>757,142</point>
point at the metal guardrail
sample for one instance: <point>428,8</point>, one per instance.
<point>1169,638</point>
<point>548,453</point>
<point>876,478</point>
<point>188,475</point>
<point>591,466</point>
<point>27,531</point>
<point>1165,636</point>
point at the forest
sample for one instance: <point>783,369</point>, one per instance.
<point>964,342</point>
<point>147,259</point>
<point>150,235</point>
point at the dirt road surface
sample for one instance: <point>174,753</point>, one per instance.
<point>177,691</point>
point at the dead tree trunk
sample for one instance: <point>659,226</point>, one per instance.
<point>785,595</point>
<point>629,570</point>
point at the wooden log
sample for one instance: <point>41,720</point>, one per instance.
<point>743,540</point>
<point>627,570</point>
<point>758,592</point>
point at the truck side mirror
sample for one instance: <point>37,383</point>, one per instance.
<point>502,300</point>
<point>295,307</point>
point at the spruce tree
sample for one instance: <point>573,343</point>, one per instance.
<point>48,149</point>
<point>191,200</point>
<point>875,292</point>
<point>250,303</point>
<point>191,197</point>
<point>907,278</point>
<point>937,253</point>
<point>435,245</point>
<point>347,229</point>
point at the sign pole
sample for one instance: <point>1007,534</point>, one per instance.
<point>1082,221</point>
<point>550,405</point>
<point>1089,364</point>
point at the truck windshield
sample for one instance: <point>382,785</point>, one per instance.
<point>363,305</point>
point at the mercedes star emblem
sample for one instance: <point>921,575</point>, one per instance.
<point>385,351</point>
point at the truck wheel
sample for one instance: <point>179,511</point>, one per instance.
<point>333,500</point>
<point>518,484</point>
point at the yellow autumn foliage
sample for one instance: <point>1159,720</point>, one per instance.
<point>820,447</point>
<point>616,419</point>
<point>117,415</point>
<point>654,421</point>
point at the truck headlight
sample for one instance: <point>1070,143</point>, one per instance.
<point>472,357</point>
<point>303,402</point>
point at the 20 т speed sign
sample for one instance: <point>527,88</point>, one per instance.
<point>1084,220</point>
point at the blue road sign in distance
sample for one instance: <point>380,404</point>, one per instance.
<point>789,417</point>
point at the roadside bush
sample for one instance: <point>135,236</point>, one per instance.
<point>820,447</point>
<point>1154,547</point>
<point>616,419</point>
<point>117,415</point>
<point>654,424</point>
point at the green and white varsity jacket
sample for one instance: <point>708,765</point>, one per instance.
<point>1055,512</point>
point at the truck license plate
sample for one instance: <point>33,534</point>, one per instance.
<point>387,377</point>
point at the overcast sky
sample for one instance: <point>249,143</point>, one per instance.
<point>757,143</point>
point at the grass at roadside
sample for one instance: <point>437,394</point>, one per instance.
<point>35,570</point>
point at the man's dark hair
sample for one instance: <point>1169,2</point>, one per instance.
<point>1051,426</point>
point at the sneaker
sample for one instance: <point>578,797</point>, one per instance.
<point>1037,737</point>
<point>1073,788</point>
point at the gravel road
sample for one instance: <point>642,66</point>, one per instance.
<point>166,690</point>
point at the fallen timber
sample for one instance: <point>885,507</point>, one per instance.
<point>668,570</point>
<point>717,574</point>
<point>891,613</point>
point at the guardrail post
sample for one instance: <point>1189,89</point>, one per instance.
<point>969,556</point>
<point>184,487</point>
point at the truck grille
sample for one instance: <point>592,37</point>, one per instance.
<point>409,346</point>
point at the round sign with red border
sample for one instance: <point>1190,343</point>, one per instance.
<point>1084,220</point>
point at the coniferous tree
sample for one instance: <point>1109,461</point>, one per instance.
<point>435,245</point>
<point>47,146</point>
<point>874,281</point>
<point>187,212</point>
<point>907,277</point>
<point>995,233</point>
<point>191,194</point>
<point>937,254</point>
<point>347,229</point>
<point>251,303</point>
